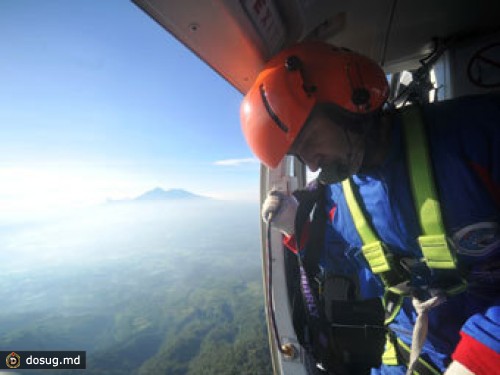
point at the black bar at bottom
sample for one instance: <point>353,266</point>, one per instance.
<point>27,360</point>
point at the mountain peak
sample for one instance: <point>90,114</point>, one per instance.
<point>171,194</point>
<point>159,194</point>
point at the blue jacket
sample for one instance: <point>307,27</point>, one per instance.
<point>464,143</point>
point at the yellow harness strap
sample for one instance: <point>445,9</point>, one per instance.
<point>378,257</point>
<point>433,243</point>
<point>372,248</point>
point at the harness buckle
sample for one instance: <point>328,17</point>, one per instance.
<point>437,252</point>
<point>425,282</point>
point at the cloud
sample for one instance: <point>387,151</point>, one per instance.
<point>236,162</point>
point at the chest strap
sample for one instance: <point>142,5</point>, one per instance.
<point>433,243</point>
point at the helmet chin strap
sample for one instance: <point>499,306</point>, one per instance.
<point>339,171</point>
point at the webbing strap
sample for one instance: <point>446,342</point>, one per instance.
<point>433,240</point>
<point>397,352</point>
<point>380,260</point>
<point>372,248</point>
<point>390,356</point>
<point>392,304</point>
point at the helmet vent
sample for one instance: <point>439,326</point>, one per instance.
<point>360,96</point>
<point>293,63</point>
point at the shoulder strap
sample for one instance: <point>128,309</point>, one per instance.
<point>433,241</point>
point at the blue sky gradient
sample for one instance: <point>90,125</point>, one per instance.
<point>98,101</point>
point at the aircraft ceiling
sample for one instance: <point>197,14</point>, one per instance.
<point>236,37</point>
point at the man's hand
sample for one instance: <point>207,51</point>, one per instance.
<point>279,210</point>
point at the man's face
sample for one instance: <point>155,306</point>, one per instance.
<point>324,145</point>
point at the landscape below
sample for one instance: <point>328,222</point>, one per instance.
<point>148,287</point>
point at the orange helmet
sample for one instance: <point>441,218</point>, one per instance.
<point>276,107</point>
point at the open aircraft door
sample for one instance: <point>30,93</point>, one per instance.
<point>236,38</point>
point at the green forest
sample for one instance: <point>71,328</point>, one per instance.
<point>214,327</point>
<point>220,331</point>
<point>217,328</point>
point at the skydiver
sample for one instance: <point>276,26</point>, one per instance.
<point>416,189</point>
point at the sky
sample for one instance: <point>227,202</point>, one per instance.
<point>97,102</point>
